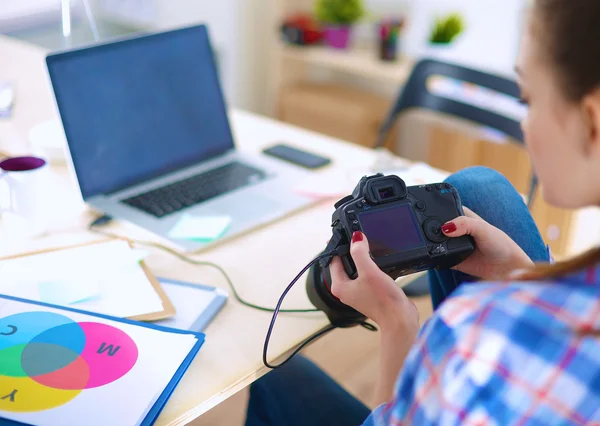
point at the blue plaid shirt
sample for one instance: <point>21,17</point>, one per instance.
<point>505,354</point>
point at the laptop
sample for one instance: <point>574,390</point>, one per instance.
<point>149,138</point>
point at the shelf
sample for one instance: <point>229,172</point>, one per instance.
<point>361,62</point>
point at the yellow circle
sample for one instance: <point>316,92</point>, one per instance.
<point>22,394</point>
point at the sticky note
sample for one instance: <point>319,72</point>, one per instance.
<point>67,292</point>
<point>200,227</point>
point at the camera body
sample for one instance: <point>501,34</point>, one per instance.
<point>403,225</point>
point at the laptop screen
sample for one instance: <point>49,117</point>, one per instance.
<point>139,108</point>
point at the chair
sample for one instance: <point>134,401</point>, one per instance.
<point>415,94</point>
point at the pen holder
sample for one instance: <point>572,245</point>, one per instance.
<point>388,50</point>
<point>389,31</point>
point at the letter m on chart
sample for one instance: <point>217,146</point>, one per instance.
<point>108,348</point>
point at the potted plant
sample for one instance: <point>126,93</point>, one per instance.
<point>444,33</point>
<point>337,17</point>
<point>445,30</point>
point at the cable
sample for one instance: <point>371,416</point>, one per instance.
<point>90,17</point>
<point>277,310</point>
<point>105,219</point>
<point>311,339</point>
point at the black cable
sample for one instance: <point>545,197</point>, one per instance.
<point>104,220</point>
<point>311,339</point>
<point>277,310</point>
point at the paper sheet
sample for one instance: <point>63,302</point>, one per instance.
<point>420,174</point>
<point>326,185</point>
<point>117,373</point>
<point>200,227</point>
<point>113,267</point>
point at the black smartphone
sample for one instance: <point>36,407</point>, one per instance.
<point>296,156</point>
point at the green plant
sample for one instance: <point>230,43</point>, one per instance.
<point>339,12</point>
<point>447,29</point>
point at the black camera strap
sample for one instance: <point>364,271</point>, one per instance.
<point>327,255</point>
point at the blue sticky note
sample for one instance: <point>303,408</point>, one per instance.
<point>200,227</point>
<point>66,292</point>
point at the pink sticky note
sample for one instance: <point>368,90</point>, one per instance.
<point>327,186</point>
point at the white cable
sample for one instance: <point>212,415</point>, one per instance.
<point>66,18</point>
<point>91,20</point>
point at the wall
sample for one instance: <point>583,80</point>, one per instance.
<point>22,14</point>
<point>492,34</point>
<point>234,28</point>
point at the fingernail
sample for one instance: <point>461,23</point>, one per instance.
<point>357,237</point>
<point>449,228</point>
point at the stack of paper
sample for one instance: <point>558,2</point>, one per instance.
<point>333,184</point>
<point>104,278</point>
<point>421,174</point>
<point>339,183</point>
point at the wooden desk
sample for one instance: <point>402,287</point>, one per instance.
<point>260,263</point>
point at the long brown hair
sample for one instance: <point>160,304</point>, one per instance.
<point>565,30</point>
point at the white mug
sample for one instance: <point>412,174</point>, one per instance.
<point>24,177</point>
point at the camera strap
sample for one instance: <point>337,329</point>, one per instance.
<point>328,254</point>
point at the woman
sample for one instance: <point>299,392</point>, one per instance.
<point>522,345</point>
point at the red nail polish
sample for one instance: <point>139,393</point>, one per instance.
<point>357,237</point>
<point>449,228</point>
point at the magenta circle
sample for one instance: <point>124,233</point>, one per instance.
<point>109,353</point>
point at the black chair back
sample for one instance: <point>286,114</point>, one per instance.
<point>415,94</point>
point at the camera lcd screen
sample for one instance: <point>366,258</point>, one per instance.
<point>391,231</point>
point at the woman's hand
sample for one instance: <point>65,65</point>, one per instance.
<point>377,296</point>
<point>496,256</point>
<point>373,293</point>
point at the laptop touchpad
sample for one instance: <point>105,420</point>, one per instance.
<point>250,207</point>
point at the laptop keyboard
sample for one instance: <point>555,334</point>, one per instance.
<point>196,189</point>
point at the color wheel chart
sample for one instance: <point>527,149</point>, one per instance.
<point>47,359</point>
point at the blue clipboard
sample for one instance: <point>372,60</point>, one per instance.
<point>204,317</point>
<point>166,394</point>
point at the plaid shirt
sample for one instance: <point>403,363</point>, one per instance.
<point>505,354</point>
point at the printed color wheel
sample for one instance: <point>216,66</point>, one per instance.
<point>47,359</point>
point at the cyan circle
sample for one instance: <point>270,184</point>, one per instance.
<point>53,350</point>
<point>21,328</point>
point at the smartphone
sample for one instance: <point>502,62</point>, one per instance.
<point>297,156</point>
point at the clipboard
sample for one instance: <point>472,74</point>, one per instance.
<point>196,304</point>
<point>168,307</point>
<point>155,410</point>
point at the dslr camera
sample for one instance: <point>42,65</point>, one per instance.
<point>404,228</point>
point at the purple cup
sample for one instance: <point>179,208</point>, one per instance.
<point>337,37</point>
<point>21,164</point>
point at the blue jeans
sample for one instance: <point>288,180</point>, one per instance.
<point>300,394</point>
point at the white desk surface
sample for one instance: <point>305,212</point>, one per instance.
<point>260,263</point>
